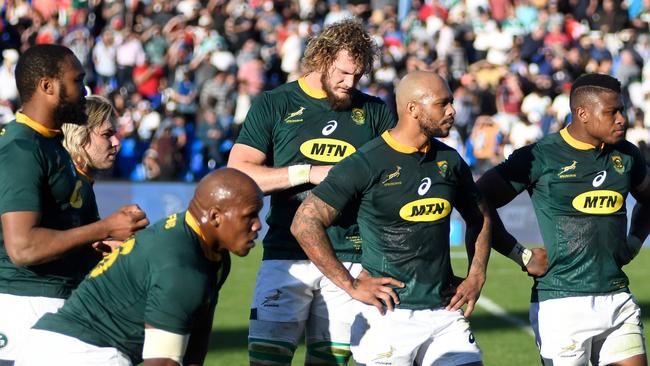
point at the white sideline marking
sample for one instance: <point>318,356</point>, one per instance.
<point>496,310</point>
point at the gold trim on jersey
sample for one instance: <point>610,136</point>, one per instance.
<point>400,147</point>
<point>314,93</point>
<point>573,142</point>
<point>194,225</point>
<point>39,128</point>
<point>82,173</point>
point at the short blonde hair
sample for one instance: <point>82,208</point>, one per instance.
<point>77,137</point>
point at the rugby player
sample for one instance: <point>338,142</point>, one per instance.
<point>291,137</point>
<point>153,299</point>
<point>405,184</point>
<point>578,179</point>
<point>93,147</point>
<point>45,250</point>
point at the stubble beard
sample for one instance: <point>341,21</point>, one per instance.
<point>337,103</point>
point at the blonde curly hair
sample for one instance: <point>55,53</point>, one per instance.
<point>349,35</point>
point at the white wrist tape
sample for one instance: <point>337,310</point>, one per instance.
<point>299,174</point>
<point>162,344</point>
<point>521,255</point>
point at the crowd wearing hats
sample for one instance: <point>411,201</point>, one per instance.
<point>183,73</point>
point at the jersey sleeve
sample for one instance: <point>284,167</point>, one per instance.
<point>639,167</point>
<point>385,119</point>
<point>521,169</point>
<point>467,189</point>
<point>20,189</point>
<point>257,129</point>
<point>345,182</point>
<point>174,297</point>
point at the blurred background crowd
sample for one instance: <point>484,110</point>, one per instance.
<point>182,73</point>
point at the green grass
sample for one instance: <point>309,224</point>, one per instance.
<point>503,343</point>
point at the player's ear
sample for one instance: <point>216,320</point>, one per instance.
<point>582,114</point>
<point>46,85</point>
<point>215,216</point>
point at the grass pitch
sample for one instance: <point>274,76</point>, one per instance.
<point>503,343</point>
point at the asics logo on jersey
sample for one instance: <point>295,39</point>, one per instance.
<point>392,176</point>
<point>598,202</point>
<point>563,172</point>
<point>291,118</point>
<point>327,150</point>
<point>599,179</point>
<point>3,340</point>
<point>425,210</point>
<point>424,186</point>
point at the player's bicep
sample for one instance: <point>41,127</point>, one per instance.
<point>242,154</point>
<point>314,208</point>
<point>641,192</point>
<point>495,189</point>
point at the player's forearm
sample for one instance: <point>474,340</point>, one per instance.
<point>41,245</point>
<point>479,251</point>
<point>310,232</point>
<point>502,240</point>
<point>639,221</point>
<point>269,179</point>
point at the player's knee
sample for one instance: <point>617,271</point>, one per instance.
<point>327,353</point>
<point>265,352</point>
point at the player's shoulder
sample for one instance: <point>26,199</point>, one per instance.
<point>627,148</point>
<point>443,150</point>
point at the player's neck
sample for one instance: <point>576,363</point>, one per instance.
<point>409,137</point>
<point>40,115</point>
<point>581,135</point>
<point>313,80</point>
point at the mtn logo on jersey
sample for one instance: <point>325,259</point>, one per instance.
<point>599,202</point>
<point>327,150</point>
<point>291,118</point>
<point>425,210</point>
<point>564,172</point>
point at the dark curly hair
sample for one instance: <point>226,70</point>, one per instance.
<point>41,61</point>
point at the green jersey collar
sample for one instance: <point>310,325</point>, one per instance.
<point>39,128</point>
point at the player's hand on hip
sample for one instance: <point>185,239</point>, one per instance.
<point>126,221</point>
<point>318,173</point>
<point>538,262</point>
<point>376,291</point>
<point>106,246</point>
<point>467,292</point>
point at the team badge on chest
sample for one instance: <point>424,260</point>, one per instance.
<point>358,116</point>
<point>443,168</point>
<point>618,164</point>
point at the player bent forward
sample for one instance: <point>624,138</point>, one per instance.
<point>406,183</point>
<point>153,299</point>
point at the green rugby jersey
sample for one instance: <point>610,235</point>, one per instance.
<point>294,124</point>
<point>38,175</point>
<point>160,277</point>
<point>578,193</point>
<point>405,201</point>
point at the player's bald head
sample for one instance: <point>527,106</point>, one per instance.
<point>226,186</point>
<point>419,86</point>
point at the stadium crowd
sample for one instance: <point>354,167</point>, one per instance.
<point>182,73</point>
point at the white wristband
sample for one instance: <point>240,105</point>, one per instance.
<point>299,174</point>
<point>521,255</point>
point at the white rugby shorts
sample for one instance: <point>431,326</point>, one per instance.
<point>293,291</point>
<point>18,315</point>
<point>603,329</point>
<point>402,336</point>
<point>43,347</point>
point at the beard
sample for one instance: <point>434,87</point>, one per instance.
<point>337,103</point>
<point>70,112</point>
<point>431,129</point>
